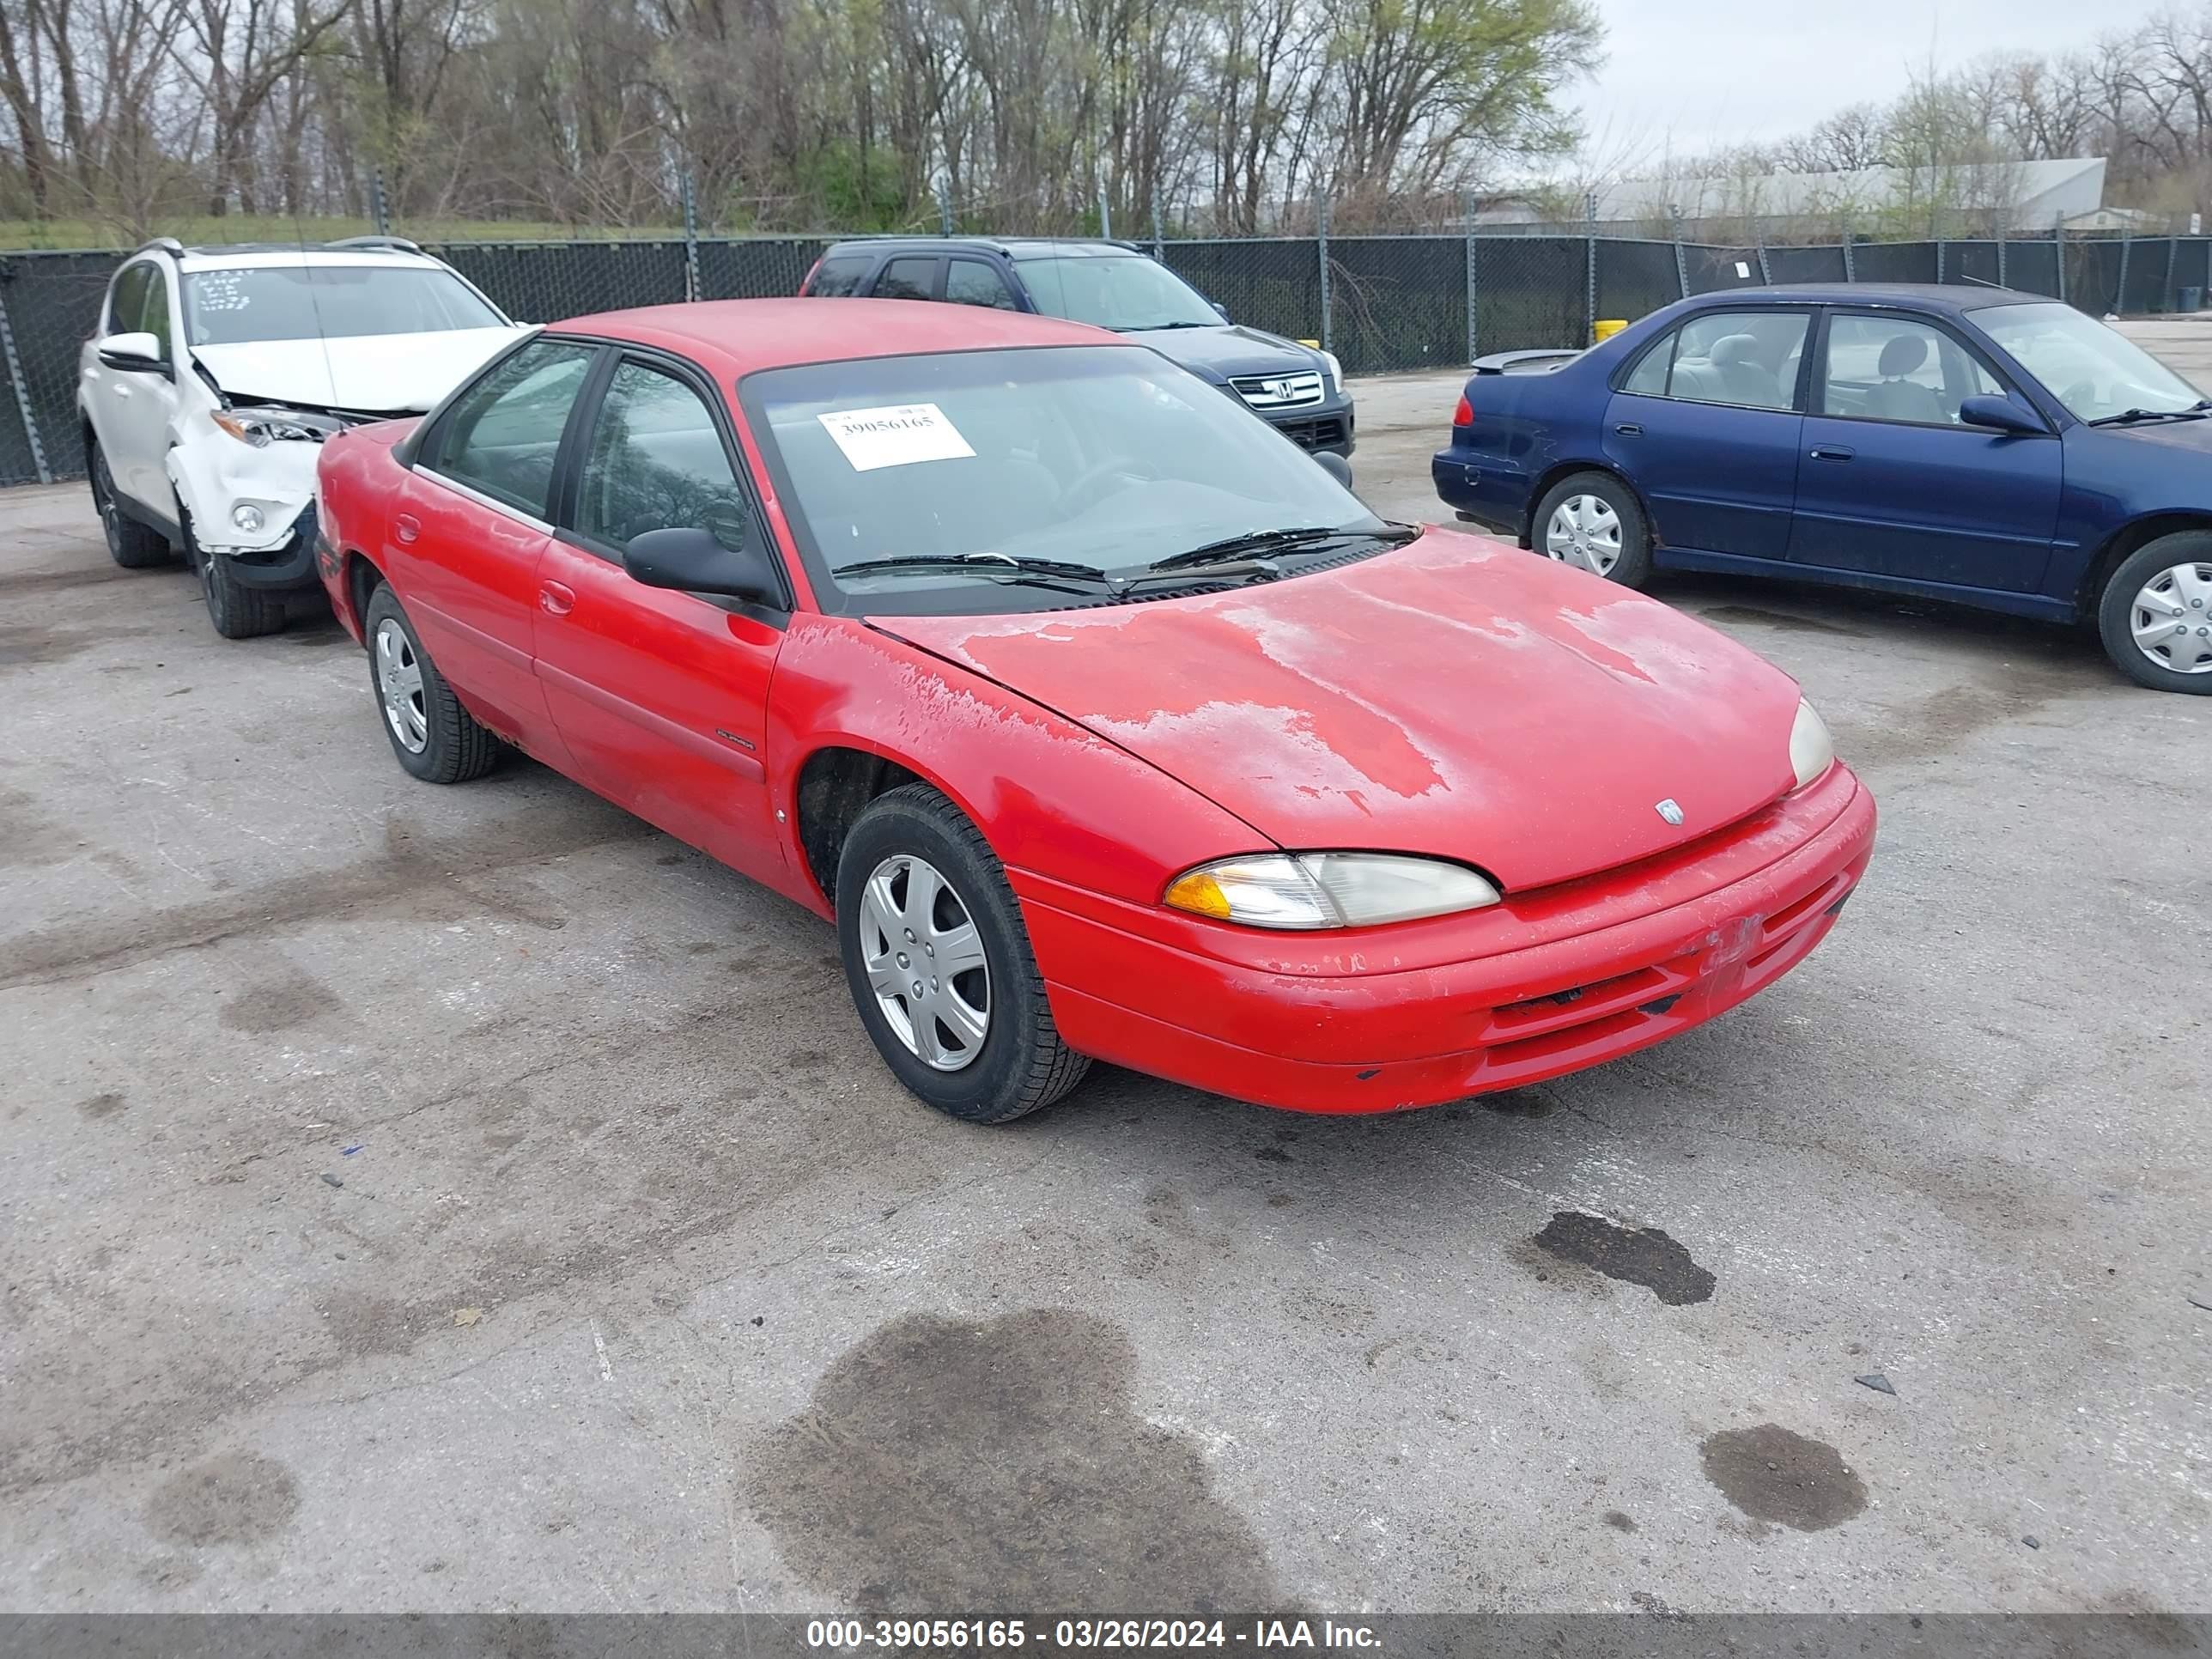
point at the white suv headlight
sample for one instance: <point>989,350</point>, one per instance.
<point>263,426</point>
<point>1812,751</point>
<point>1308,890</point>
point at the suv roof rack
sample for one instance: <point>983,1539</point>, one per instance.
<point>169,245</point>
<point>389,244</point>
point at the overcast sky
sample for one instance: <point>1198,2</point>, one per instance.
<point>1702,74</point>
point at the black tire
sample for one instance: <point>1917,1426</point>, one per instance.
<point>1021,1063</point>
<point>133,545</point>
<point>2116,609</point>
<point>1632,569</point>
<point>455,747</point>
<point>239,612</point>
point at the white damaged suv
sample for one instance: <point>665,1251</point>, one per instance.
<point>217,373</point>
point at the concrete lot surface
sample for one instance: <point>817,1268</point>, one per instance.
<point>472,1199</point>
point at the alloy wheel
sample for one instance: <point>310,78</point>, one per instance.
<point>925,961</point>
<point>2171,618</point>
<point>1584,530</point>
<point>399,683</point>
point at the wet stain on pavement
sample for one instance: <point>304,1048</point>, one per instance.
<point>1772,1474</point>
<point>1521,1102</point>
<point>105,1104</point>
<point>1776,619</point>
<point>281,1006</point>
<point>1619,1520</point>
<point>999,1464</point>
<point>1635,1255</point>
<point>234,1497</point>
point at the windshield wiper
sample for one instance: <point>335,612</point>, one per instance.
<point>991,567</point>
<point>1147,328</point>
<point>1257,541</point>
<point>2196,411</point>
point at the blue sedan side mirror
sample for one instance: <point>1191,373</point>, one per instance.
<point>2000,415</point>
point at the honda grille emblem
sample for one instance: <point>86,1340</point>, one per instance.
<point>1670,812</point>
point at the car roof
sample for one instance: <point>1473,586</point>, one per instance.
<point>246,257</point>
<point>1922,296</point>
<point>737,336</point>
<point>1013,247</point>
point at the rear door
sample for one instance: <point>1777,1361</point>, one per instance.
<point>469,526</point>
<point>660,697</point>
<point>1707,425</point>
<point>1892,484</point>
<point>909,277</point>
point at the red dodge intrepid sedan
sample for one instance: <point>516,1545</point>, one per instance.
<point>1103,720</point>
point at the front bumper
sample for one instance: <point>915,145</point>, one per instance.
<point>1317,426</point>
<point>1425,1013</point>
<point>289,566</point>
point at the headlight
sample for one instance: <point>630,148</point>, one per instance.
<point>263,426</point>
<point>1335,369</point>
<point>1812,751</point>
<point>1327,890</point>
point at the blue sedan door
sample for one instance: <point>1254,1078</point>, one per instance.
<point>1707,427</point>
<point>1892,484</point>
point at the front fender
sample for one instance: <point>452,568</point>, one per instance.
<point>217,474</point>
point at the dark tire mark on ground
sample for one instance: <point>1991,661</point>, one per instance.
<point>234,1498</point>
<point>999,1465</point>
<point>1772,1474</point>
<point>1777,619</point>
<point>1635,1255</point>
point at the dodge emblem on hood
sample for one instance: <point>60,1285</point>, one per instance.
<point>1668,810</point>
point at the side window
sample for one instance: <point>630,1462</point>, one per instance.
<point>126,301</point>
<point>503,434</point>
<point>972,283</point>
<point>656,462</point>
<point>908,279</point>
<point>1747,358</point>
<point>1890,369</point>
<point>1650,379</point>
<point>836,279</point>
<point>156,318</point>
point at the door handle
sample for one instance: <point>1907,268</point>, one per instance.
<point>119,388</point>
<point>1629,429</point>
<point>1831,452</point>
<point>557,599</point>
<point>405,527</point>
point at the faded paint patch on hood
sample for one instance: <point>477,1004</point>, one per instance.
<point>1455,697</point>
<point>381,374</point>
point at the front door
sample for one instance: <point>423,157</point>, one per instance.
<point>1891,483</point>
<point>131,408</point>
<point>660,697</point>
<point>1707,426</point>
<point>471,525</point>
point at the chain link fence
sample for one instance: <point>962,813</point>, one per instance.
<point>1381,302</point>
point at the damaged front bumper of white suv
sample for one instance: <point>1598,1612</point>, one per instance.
<point>247,489</point>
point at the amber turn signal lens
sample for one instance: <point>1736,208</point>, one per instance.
<point>1201,895</point>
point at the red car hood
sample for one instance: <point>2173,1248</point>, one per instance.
<point>1455,697</point>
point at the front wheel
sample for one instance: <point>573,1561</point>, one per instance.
<point>238,611</point>
<point>133,545</point>
<point>939,963</point>
<point>2155,616</point>
<point>1593,521</point>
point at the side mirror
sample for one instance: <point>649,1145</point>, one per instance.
<point>695,561</point>
<point>1334,465</point>
<point>136,353</point>
<point>1999,415</point>
<point>1220,308</point>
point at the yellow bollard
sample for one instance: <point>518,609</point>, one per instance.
<point>1605,328</point>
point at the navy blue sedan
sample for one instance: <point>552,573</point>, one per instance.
<point>1970,443</point>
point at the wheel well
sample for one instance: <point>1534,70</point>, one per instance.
<point>1567,470</point>
<point>360,580</point>
<point>835,787</point>
<point>2125,541</point>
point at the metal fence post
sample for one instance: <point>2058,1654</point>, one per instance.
<point>377,209</point>
<point>2166,297</point>
<point>1105,219</point>
<point>1850,266</point>
<point>2002,280</point>
<point>944,204</point>
<point>1159,233</point>
<point>1321,228</point>
<point>2120,287</point>
<point>23,396</point>
<point>1472,311</point>
<point>1589,266</point>
<point>691,240</point>
<point>2058,253</point>
<point>1766,271</point>
<point>1940,250</point>
<point>1681,265</point>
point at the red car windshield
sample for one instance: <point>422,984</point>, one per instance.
<point>1102,457</point>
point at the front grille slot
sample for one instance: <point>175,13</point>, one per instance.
<point>1322,433</point>
<point>1272,392</point>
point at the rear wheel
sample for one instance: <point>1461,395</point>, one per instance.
<point>133,545</point>
<point>1592,520</point>
<point>939,964</point>
<point>432,735</point>
<point>2155,617</point>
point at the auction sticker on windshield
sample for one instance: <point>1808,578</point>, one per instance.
<point>895,435</point>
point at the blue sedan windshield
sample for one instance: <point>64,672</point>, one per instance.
<point>2091,369</point>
